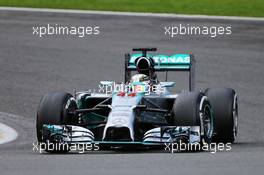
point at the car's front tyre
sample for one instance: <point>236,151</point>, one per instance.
<point>194,109</point>
<point>54,109</point>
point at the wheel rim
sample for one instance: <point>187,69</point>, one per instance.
<point>207,121</point>
<point>69,108</point>
<point>235,117</point>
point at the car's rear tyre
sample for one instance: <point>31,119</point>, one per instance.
<point>194,109</point>
<point>225,110</point>
<point>54,110</point>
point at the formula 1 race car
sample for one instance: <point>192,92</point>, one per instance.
<point>140,112</point>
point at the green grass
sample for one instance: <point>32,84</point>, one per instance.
<point>253,8</point>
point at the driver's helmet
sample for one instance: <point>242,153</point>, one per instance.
<point>145,65</point>
<point>139,78</point>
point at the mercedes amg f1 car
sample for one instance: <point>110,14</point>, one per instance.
<point>142,111</point>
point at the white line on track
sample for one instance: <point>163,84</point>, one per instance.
<point>166,15</point>
<point>7,134</point>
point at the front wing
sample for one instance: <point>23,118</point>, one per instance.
<point>70,134</point>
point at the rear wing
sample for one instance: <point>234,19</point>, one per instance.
<point>163,63</point>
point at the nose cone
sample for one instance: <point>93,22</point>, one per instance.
<point>121,119</point>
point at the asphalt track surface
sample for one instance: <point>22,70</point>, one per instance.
<point>32,66</point>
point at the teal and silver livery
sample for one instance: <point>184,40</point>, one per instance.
<point>142,111</point>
